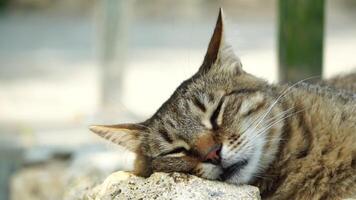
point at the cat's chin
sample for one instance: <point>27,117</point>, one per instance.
<point>236,179</point>
<point>242,171</point>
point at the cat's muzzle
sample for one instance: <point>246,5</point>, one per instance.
<point>233,169</point>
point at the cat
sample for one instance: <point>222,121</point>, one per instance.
<point>292,141</point>
<point>343,82</point>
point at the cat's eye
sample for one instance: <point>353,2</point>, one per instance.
<point>175,151</point>
<point>215,115</point>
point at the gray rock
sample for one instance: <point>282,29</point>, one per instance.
<point>58,179</point>
<point>45,181</point>
<point>162,186</point>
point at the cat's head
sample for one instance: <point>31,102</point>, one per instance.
<point>213,126</point>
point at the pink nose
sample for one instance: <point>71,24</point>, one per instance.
<point>213,156</point>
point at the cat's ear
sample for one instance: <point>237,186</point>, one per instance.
<point>220,55</point>
<point>126,135</point>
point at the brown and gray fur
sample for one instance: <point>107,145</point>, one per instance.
<point>342,82</point>
<point>292,141</point>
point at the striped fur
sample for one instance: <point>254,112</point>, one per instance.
<point>292,141</point>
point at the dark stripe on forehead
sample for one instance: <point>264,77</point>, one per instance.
<point>171,124</point>
<point>243,91</point>
<point>165,135</point>
<point>214,116</point>
<point>199,104</point>
<point>211,97</point>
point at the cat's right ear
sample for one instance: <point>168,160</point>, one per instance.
<point>220,55</point>
<point>126,135</point>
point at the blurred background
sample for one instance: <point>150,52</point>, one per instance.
<point>66,64</point>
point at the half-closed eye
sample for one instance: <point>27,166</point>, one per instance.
<point>214,119</point>
<point>175,151</point>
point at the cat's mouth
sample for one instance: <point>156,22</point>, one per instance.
<point>233,169</point>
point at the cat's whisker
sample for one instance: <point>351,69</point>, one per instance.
<point>270,125</point>
<point>279,116</point>
<point>278,121</point>
<point>269,120</point>
<point>284,93</point>
<point>274,117</point>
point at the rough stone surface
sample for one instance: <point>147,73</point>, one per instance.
<point>162,186</point>
<point>45,181</point>
<point>57,179</point>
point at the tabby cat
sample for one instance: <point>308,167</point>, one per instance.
<point>342,82</point>
<point>292,141</point>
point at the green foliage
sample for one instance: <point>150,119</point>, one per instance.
<point>301,33</point>
<point>3,3</point>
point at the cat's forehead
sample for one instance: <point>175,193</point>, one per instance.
<point>206,84</point>
<point>177,113</point>
<point>201,87</point>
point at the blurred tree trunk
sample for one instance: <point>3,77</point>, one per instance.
<point>3,4</point>
<point>301,34</point>
<point>113,27</point>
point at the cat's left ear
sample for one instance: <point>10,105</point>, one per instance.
<point>220,55</point>
<point>126,135</point>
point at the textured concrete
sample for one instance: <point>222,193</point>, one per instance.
<point>160,186</point>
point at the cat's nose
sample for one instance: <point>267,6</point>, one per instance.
<point>213,155</point>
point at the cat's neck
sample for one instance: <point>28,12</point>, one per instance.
<point>323,119</point>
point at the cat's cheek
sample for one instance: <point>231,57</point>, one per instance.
<point>184,164</point>
<point>142,166</point>
<point>208,171</point>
